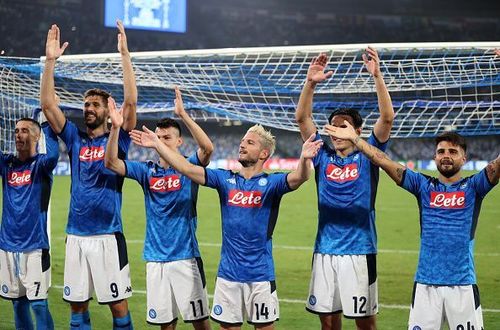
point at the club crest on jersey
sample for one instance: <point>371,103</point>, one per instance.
<point>262,182</point>
<point>447,200</point>
<point>91,154</point>
<point>165,184</point>
<point>245,199</point>
<point>342,174</point>
<point>17,179</point>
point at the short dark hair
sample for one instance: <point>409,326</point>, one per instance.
<point>454,138</point>
<point>98,92</point>
<point>354,114</point>
<point>32,121</point>
<point>169,122</point>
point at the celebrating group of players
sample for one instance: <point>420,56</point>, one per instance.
<point>344,275</point>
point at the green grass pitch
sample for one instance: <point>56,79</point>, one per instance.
<point>398,242</point>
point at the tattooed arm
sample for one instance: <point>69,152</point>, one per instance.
<point>394,169</point>
<point>493,171</point>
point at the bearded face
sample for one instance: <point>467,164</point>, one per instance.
<point>449,158</point>
<point>95,112</point>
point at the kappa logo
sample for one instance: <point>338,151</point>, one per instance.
<point>247,199</point>
<point>166,183</point>
<point>91,154</point>
<point>447,200</point>
<point>217,309</point>
<point>231,180</point>
<point>128,289</point>
<point>17,179</point>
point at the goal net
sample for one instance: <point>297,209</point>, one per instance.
<point>434,86</point>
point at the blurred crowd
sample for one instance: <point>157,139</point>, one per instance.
<point>237,23</point>
<point>289,145</point>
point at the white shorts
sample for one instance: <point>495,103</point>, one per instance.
<point>97,262</point>
<point>176,287</point>
<point>343,283</point>
<point>233,301</point>
<point>459,305</point>
<point>25,274</point>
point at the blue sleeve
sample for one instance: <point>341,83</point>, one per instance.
<point>481,183</point>
<point>280,183</point>
<point>193,159</point>
<point>412,181</point>
<point>69,134</point>
<point>372,140</point>
<point>123,144</point>
<point>321,151</point>
<point>137,171</point>
<point>215,178</point>
<point>50,158</point>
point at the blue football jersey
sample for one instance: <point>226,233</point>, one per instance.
<point>448,220</point>
<point>346,189</point>
<point>26,192</point>
<point>96,192</point>
<point>170,200</point>
<point>249,210</point>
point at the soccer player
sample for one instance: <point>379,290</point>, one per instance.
<point>24,243</point>
<point>249,200</point>
<point>344,275</point>
<point>96,253</point>
<point>175,279</point>
<point>449,206</point>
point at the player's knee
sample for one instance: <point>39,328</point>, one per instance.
<point>79,307</point>
<point>366,323</point>
<point>119,308</point>
<point>331,321</point>
<point>202,325</point>
<point>265,326</point>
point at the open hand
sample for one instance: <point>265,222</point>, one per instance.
<point>311,147</point>
<point>53,48</point>
<point>145,138</point>
<point>179,105</point>
<point>345,132</point>
<point>316,72</point>
<point>115,115</point>
<point>122,38</point>
<point>372,61</point>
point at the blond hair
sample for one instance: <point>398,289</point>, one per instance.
<point>267,140</point>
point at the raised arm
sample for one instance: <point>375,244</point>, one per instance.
<point>493,170</point>
<point>303,113</point>
<point>394,169</point>
<point>148,139</point>
<point>206,148</point>
<point>382,128</point>
<point>111,159</point>
<point>48,101</point>
<point>129,85</point>
<point>303,171</point>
